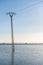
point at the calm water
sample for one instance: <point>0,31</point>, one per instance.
<point>24,55</point>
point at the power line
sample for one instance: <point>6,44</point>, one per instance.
<point>28,6</point>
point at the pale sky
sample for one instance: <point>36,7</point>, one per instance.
<point>27,24</point>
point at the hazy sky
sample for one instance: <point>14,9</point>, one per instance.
<point>28,22</point>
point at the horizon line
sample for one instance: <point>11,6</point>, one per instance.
<point>21,44</point>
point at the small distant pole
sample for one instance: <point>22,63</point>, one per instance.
<point>11,14</point>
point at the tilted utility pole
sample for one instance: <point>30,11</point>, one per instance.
<point>11,14</point>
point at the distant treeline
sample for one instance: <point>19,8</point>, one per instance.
<point>21,43</point>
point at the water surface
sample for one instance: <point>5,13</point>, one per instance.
<point>24,55</point>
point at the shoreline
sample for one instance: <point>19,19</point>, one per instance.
<point>21,43</point>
